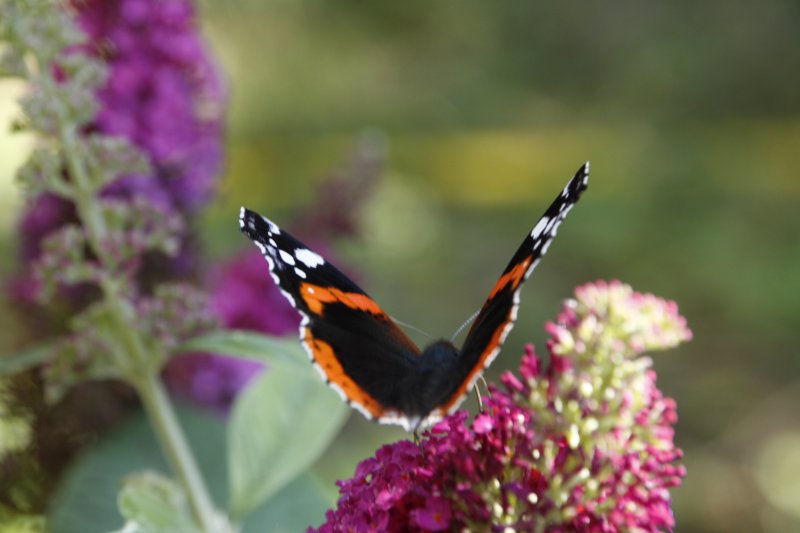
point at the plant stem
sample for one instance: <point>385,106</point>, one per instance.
<point>173,442</point>
<point>136,365</point>
<point>130,353</point>
<point>159,410</point>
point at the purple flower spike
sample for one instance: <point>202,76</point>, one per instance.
<point>163,94</point>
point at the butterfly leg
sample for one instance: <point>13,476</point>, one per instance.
<point>481,381</point>
<point>418,441</point>
<point>478,395</point>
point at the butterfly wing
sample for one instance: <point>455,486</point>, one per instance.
<point>353,343</point>
<point>497,316</point>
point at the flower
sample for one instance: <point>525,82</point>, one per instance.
<point>585,444</point>
<point>163,94</point>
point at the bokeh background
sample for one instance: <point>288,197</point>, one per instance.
<point>690,115</point>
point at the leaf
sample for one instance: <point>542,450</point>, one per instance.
<point>300,504</point>
<point>280,425</point>
<point>248,345</point>
<point>86,501</point>
<point>17,362</point>
<point>154,503</point>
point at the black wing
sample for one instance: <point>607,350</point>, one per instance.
<point>357,348</point>
<point>497,316</point>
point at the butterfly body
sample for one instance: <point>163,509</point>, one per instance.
<point>364,355</point>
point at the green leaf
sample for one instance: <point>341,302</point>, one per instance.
<point>154,503</point>
<point>249,345</point>
<point>280,425</point>
<point>17,362</point>
<point>86,500</point>
<point>300,504</point>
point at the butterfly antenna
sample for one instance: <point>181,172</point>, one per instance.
<point>464,325</point>
<point>413,328</point>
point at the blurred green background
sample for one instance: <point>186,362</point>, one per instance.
<point>690,115</point>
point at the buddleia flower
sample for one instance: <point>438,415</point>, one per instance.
<point>582,442</point>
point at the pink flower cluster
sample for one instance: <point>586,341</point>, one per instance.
<point>163,94</point>
<point>585,444</point>
<point>446,482</point>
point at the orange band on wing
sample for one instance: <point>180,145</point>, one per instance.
<point>316,297</point>
<point>323,354</point>
<point>476,370</point>
<point>513,276</point>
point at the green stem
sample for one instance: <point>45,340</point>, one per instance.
<point>144,378</point>
<point>160,410</point>
<point>176,448</point>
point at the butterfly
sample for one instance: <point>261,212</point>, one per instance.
<point>365,356</point>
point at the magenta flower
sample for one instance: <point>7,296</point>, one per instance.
<point>583,445</point>
<point>163,94</point>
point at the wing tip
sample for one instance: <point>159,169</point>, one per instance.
<point>248,222</point>
<point>582,176</point>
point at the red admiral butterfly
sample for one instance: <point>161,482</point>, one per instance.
<point>365,356</point>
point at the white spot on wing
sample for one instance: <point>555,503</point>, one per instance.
<point>309,258</point>
<point>272,253</point>
<point>539,227</point>
<point>272,226</point>
<point>287,258</point>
